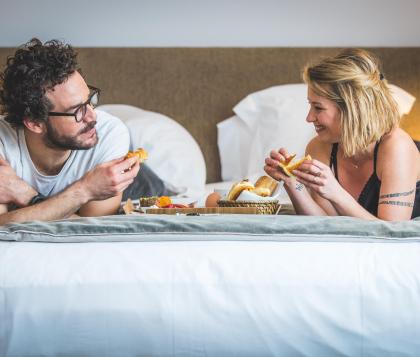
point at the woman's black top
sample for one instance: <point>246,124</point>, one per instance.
<point>369,197</point>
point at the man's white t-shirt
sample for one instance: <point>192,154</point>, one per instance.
<point>113,142</point>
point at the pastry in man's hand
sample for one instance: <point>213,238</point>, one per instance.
<point>289,165</point>
<point>140,154</point>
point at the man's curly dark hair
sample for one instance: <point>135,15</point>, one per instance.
<point>34,69</point>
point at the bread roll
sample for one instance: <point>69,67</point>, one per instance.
<point>237,188</point>
<point>266,182</point>
<point>261,191</point>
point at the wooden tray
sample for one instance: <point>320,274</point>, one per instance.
<point>204,210</point>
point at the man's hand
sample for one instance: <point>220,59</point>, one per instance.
<point>109,179</point>
<point>100,184</point>
<point>12,188</point>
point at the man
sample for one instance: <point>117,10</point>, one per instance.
<point>58,157</point>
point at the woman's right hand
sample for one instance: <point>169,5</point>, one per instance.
<point>272,167</point>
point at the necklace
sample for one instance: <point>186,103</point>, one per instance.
<point>351,162</point>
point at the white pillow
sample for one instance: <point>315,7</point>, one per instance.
<point>265,120</point>
<point>270,119</point>
<point>404,99</point>
<point>174,155</point>
<point>233,138</point>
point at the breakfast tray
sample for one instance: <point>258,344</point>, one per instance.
<point>203,210</point>
<point>262,207</point>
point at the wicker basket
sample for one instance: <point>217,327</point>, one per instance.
<point>263,207</point>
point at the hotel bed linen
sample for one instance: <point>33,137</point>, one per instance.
<point>216,285</point>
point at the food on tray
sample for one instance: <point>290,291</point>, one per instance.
<point>261,191</point>
<point>288,165</point>
<point>166,202</point>
<point>163,201</point>
<point>147,201</point>
<point>140,153</point>
<point>265,186</point>
<point>212,198</point>
<point>237,188</point>
<point>176,205</point>
<point>128,207</point>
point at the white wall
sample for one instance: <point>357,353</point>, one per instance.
<point>248,23</point>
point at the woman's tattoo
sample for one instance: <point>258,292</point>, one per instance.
<point>299,186</point>
<point>397,194</point>
<point>397,203</point>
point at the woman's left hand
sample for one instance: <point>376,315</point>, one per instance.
<point>319,178</point>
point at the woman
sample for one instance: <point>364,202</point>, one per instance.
<point>363,164</point>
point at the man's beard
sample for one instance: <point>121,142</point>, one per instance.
<point>56,141</point>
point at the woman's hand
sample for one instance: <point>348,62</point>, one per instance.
<point>272,167</point>
<point>319,178</point>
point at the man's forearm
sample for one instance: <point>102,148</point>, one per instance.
<point>16,192</point>
<point>25,196</point>
<point>60,206</point>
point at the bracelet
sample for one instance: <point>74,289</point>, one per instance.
<point>37,199</point>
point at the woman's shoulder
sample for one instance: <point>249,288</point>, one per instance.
<point>397,141</point>
<point>319,150</point>
<point>397,147</point>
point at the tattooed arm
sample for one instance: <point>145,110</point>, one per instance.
<point>398,169</point>
<point>395,199</point>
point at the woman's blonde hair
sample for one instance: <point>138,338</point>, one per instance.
<point>353,80</point>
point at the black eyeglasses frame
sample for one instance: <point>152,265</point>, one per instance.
<point>95,92</point>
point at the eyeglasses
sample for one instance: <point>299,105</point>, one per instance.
<point>81,110</point>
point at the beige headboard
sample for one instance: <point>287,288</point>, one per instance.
<point>199,86</point>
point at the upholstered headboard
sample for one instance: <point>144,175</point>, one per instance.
<point>199,86</point>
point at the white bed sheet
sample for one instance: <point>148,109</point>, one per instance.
<point>209,298</point>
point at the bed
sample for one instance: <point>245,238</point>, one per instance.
<point>210,285</point>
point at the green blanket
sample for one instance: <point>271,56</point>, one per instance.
<point>212,227</point>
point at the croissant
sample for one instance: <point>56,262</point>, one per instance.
<point>237,188</point>
<point>288,165</point>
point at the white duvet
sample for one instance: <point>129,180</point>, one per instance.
<point>210,298</point>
